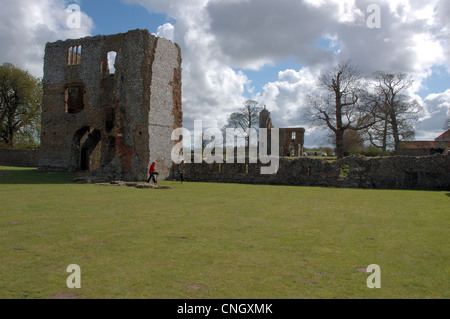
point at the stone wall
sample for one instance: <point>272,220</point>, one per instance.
<point>421,173</point>
<point>19,157</point>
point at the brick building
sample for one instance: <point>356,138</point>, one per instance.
<point>426,148</point>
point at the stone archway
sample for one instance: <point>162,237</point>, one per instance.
<point>88,149</point>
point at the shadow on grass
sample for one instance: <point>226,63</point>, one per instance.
<point>23,175</point>
<point>448,194</point>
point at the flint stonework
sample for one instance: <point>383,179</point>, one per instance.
<point>111,122</point>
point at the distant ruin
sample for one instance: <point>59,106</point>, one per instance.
<point>291,139</point>
<point>110,105</point>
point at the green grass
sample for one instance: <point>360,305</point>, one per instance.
<point>201,240</point>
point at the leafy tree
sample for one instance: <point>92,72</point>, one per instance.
<point>328,150</point>
<point>371,151</point>
<point>20,107</point>
<point>353,142</point>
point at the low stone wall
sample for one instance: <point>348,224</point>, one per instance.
<point>19,157</point>
<point>399,172</point>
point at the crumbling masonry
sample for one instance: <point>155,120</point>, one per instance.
<point>110,105</point>
<point>396,172</point>
<point>291,139</point>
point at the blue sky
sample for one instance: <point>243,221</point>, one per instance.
<point>268,73</point>
<point>438,82</point>
<point>265,50</point>
<point>111,17</point>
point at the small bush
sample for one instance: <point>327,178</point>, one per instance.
<point>371,151</point>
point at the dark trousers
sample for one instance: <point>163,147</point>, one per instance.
<point>152,176</point>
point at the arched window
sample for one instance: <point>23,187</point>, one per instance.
<point>74,55</point>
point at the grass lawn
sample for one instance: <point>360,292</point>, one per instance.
<point>201,240</point>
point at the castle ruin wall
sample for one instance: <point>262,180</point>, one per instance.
<point>398,172</point>
<point>109,120</point>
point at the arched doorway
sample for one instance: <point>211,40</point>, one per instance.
<point>88,148</point>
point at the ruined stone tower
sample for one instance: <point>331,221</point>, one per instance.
<point>291,139</point>
<point>110,105</point>
<point>265,121</point>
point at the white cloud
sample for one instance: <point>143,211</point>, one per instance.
<point>286,97</point>
<point>437,107</point>
<point>166,31</point>
<point>27,25</point>
<point>265,31</point>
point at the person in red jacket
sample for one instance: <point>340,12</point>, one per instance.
<point>152,173</point>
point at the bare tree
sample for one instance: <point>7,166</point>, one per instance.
<point>396,112</point>
<point>340,103</point>
<point>247,117</point>
<point>446,124</point>
<point>379,134</point>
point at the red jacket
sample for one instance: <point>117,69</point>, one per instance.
<point>152,168</point>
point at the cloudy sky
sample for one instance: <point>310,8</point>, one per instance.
<point>266,50</point>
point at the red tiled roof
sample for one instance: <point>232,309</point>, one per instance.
<point>444,137</point>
